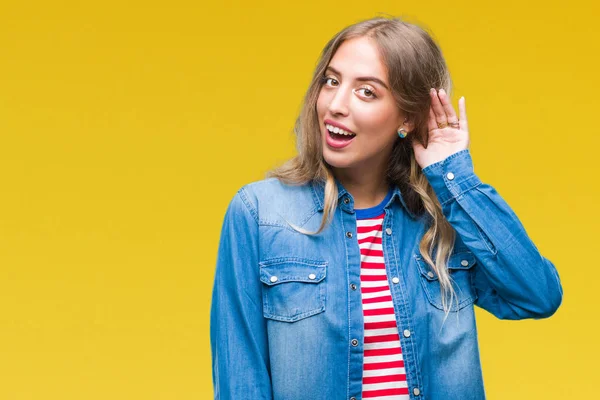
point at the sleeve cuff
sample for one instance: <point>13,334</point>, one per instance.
<point>452,176</point>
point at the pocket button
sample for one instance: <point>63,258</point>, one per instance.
<point>312,276</point>
<point>273,279</point>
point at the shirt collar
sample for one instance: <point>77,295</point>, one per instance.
<point>318,190</point>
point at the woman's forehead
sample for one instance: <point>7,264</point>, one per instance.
<point>357,58</point>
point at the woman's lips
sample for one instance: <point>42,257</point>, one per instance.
<point>337,141</point>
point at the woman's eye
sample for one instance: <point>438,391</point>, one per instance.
<point>368,93</point>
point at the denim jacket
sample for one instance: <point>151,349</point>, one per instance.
<point>286,313</point>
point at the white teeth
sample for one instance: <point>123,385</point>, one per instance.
<point>337,130</point>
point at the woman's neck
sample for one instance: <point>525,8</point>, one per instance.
<point>367,189</point>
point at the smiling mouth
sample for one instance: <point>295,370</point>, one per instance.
<point>338,133</point>
<point>341,137</point>
<point>338,140</point>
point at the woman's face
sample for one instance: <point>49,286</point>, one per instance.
<point>365,107</point>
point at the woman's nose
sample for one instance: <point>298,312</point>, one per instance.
<point>339,101</point>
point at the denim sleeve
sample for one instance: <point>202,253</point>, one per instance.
<point>238,335</point>
<point>511,278</point>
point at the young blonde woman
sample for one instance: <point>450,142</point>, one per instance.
<point>352,271</point>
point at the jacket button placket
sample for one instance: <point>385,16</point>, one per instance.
<point>355,322</point>
<point>399,306</point>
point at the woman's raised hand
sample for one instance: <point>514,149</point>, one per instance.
<point>447,133</point>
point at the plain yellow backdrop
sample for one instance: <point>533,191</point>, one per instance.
<point>126,128</point>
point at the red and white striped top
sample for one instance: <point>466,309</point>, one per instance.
<point>384,377</point>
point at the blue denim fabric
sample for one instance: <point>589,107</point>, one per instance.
<point>286,314</point>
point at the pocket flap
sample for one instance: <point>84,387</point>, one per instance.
<point>457,261</point>
<point>274,272</point>
<point>462,260</point>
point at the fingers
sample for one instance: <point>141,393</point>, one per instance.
<point>447,106</point>
<point>441,112</point>
<point>438,108</point>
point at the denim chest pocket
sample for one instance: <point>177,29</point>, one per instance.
<point>460,268</point>
<point>293,288</point>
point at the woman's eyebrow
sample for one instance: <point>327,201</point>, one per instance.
<point>361,78</point>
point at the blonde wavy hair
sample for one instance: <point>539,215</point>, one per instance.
<point>415,64</point>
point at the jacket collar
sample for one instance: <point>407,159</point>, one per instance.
<point>318,191</point>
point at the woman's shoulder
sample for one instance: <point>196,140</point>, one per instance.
<point>270,186</point>
<point>271,196</point>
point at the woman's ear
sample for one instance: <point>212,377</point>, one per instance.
<point>407,123</point>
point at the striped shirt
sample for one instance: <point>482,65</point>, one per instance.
<point>384,377</point>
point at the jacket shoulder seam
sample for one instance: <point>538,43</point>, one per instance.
<point>249,206</point>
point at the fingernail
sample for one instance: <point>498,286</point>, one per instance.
<point>442,91</point>
<point>432,90</point>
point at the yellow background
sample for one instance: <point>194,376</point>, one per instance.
<point>126,128</point>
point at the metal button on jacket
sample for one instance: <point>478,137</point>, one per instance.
<point>354,342</point>
<point>273,279</point>
<point>352,286</point>
<point>312,276</point>
<point>464,263</point>
<point>395,279</point>
<point>416,391</point>
<point>450,176</point>
<point>346,200</point>
<point>406,333</point>
<point>349,234</point>
<point>388,231</point>
<point>430,274</point>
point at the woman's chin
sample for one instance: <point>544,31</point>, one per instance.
<point>337,160</point>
